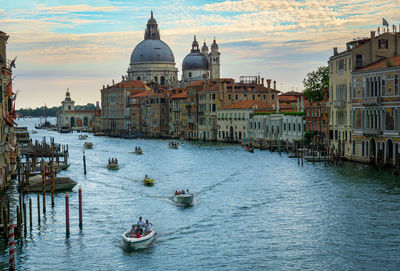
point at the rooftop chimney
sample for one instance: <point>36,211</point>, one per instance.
<point>379,30</point>
<point>113,82</point>
<point>277,104</point>
<point>274,85</point>
<point>262,81</point>
<point>269,83</point>
<point>103,86</point>
<point>335,51</point>
<point>372,35</point>
<point>97,105</point>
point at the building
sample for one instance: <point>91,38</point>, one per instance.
<point>116,106</point>
<point>152,59</point>
<point>178,113</point>
<point>375,118</point>
<point>8,146</point>
<point>359,53</point>
<point>233,120</point>
<point>201,65</point>
<point>69,118</point>
<point>316,118</point>
<point>286,126</point>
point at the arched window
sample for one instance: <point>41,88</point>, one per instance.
<point>396,85</point>
<point>190,74</point>
<point>138,78</point>
<point>162,80</point>
<point>213,96</point>
<point>156,79</point>
<point>85,121</point>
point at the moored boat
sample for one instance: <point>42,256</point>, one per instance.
<point>83,136</point>
<point>139,243</point>
<point>184,199</point>
<point>249,148</point>
<point>60,184</point>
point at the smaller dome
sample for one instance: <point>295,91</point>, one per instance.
<point>195,61</point>
<point>214,46</point>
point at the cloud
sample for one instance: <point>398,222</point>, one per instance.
<point>76,8</point>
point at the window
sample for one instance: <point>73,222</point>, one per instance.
<point>69,107</point>
<point>214,108</point>
<point>299,126</point>
<point>383,44</point>
<point>359,61</point>
<point>396,84</point>
<point>284,127</point>
<point>190,74</point>
<point>362,148</point>
<point>354,147</point>
<point>229,97</point>
<point>254,97</point>
<point>162,80</point>
<point>138,78</point>
<point>156,79</point>
<point>236,97</point>
<point>213,96</point>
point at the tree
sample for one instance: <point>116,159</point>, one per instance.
<point>315,83</point>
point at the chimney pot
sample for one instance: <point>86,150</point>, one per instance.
<point>274,85</point>
<point>335,52</point>
<point>262,81</point>
<point>269,83</point>
<point>372,34</point>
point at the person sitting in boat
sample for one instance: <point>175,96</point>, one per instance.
<point>140,225</point>
<point>176,192</point>
<point>183,191</point>
<point>147,227</point>
<point>109,161</point>
<point>116,160</point>
<point>136,149</point>
<point>187,191</point>
<point>112,160</point>
<point>146,177</point>
<point>132,232</point>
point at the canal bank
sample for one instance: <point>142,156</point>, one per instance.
<point>252,211</point>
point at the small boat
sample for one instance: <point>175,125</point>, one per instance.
<point>113,166</point>
<point>34,132</point>
<point>249,148</point>
<point>138,243</point>
<point>83,137</point>
<point>184,199</point>
<point>173,146</point>
<point>139,151</point>
<point>148,182</point>
<point>60,184</point>
<point>88,145</point>
<point>99,134</point>
<point>62,166</point>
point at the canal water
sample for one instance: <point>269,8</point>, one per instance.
<point>252,211</point>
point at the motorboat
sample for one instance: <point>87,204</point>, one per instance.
<point>83,137</point>
<point>174,146</point>
<point>139,243</point>
<point>139,151</point>
<point>184,199</point>
<point>61,166</point>
<point>113,166</point>
<point>249,148</point>
<point>88,145</point>
<point>148,182</point>
<point>60,184</point>
<point>34,132</point>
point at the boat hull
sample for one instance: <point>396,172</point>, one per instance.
<point>60,184</point>
<point>139,243</point>
<point>148,182</point>
<point>184,199</point>
<point>113,166</point>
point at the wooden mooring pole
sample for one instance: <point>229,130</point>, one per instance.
<point>30,213</point>
<point>80,208</point>
<point>67,215</point>
<point>84,163</point>
<point>38,208</point>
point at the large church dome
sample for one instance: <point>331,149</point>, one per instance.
<point>152,51</point>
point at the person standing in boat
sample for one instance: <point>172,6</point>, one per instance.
<point>140,225</point>
<point>147,227</point>
<point>132,232</point>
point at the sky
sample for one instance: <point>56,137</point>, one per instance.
<point>83,45</point>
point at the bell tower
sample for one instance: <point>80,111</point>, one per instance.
<point>68,104</point>
<point>214,59</point>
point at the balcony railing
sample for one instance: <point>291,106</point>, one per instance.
<point>339,104</point>
<point>373,101</point>
<point>372,131</point>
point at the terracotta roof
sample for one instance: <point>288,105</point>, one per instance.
<point>381,64</point>
<point>128,84</point>
<point>179,95</point>
<point>142,94</point>
<point>197,83</point>
<point>287,99</point>
<point>291,93</point>
<point>248,104</point>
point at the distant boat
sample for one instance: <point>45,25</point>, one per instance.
<point>184,199</point>
<point>113,166</point>
<point>88,145</point>
<point>83,137</point>
<point>148,182</point>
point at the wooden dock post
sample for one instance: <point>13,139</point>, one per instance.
<point>52,184</point>
<point>30,213</point>
<point>44,188</point>
<point>84,163</point>
<point>24,213</point>
<point>80,208</point>
<point>38,207</point>
<point>11,247</point>
<point>67,215</point>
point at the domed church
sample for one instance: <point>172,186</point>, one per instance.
<point>152,59</point>
<point>201,65</point>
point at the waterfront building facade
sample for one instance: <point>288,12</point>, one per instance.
<point>375,115</point>
<point>116,105</point>
<point>70,118</point>
<point>358,54</point>
<point>233,120</point>
<point>316,118</point>
<point>8,150</point>
<point>178,113</point>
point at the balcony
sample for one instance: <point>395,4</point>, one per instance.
<point>371,101</point>
<point>339,104</point>
<point>373,132</point>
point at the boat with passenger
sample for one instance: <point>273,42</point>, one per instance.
<point>183,197</point>
<point>139,237</point>
<point>173,145</point>
<point>138,150</point>
<point>83,137</point>
<point>113,164</point>
<point>249,148</point>
<point>88,145</point>
<point>147,181</point>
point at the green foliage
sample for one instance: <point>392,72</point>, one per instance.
<point>50,111</point>
<point>388,63</point>
<point>315,82</point>
<point>308,135</point>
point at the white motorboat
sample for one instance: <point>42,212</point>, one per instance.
<point>184,199</point>
<point>142,242</point>
<point>83,136</point>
